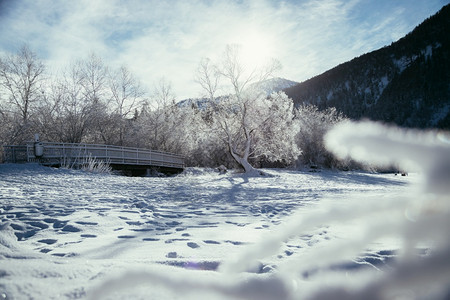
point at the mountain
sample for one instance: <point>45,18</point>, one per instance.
<point>406,83</point>
<point>272,85</point>
<point>268,86</point>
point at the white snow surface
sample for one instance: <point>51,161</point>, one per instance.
<point>68,234</point>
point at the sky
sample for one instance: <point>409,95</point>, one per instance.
<point>167,39</point>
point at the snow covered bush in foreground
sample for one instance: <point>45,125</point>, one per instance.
<point>347,266</point>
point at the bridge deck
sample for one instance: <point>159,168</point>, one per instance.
<point>59,154</point>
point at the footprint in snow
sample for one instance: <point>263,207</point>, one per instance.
<point>65,254</point>
<point>25,234</point>
<point>37,224</point>
<point>170,241</point>
<point>172,255</point>
<point>50,220</point>
<point>193,245</point>
<point>17,227</point>
<point>48,241</point>
<point>236,243</point>
<point>86,223</point>
<point>173,223</point>
<point>211,242</point>
<point>70,228</point>
<point>126,237</point>
<point>59,224</point>
<point>142,229</point>
<point>134,223</point>
<point>88,236</point>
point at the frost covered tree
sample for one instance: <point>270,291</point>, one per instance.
<point>21,77</point>
<point>313,124</point>
<point>159,119</point>
<point>158,116</point>
<point>251,123</point>
<point>203,146</point>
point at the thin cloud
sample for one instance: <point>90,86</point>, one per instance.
<point>168,38</point>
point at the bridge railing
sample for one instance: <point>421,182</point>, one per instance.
<point>68,153</point>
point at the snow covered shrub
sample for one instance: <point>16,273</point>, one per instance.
<point>93,165</point>
<point>313,124</point>
<point>87,163</point>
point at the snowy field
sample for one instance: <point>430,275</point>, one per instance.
<point>65,232</point>
<point>68,234</point>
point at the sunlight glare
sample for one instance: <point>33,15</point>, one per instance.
<point>256,50</point>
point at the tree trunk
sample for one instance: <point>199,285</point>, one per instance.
<point>243,160</point>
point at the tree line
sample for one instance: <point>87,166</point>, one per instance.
<point>89,102</point>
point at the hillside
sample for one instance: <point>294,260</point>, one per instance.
<point>268,86</point>
<point>272,85</point>
<point>406,83</point>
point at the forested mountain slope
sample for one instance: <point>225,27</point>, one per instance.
<point>406,83</point>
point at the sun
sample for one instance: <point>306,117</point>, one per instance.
<point>256,49</point>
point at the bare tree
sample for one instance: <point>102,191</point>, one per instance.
<point>80,94</point>
<point>74,109</point>
<point>21,75</point>
<point>126,96</point>
<point>92,78</point>
<point>126,92</point>
<point>208,76</point>
<point>47,112</point>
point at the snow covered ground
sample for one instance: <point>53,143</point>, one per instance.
<point>68,234</point>
<point>65,233</point>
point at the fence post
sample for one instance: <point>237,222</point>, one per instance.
<point>28,152</point>
<point>13,154</point>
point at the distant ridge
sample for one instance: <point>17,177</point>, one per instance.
<point>406,83</point>
<point>272,85</point>
<point>268,86</point>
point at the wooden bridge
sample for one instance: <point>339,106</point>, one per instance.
<point>136,161</point>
